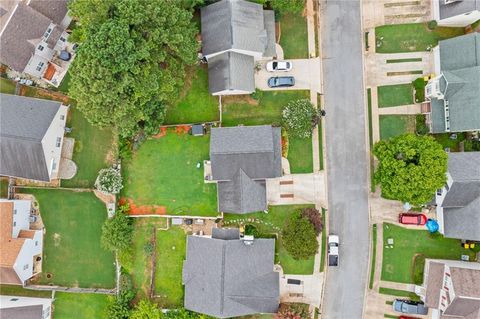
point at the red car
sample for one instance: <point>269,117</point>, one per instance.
<point>412,219</point>
<point>405,317</point>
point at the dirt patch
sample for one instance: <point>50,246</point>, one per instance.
<point>182,129</point>
<point>56,239</point>
<point>104,197</point>
<point>143,209</point>
<point>162,133</point>
<point>237,99</point>
<point>43,93</point>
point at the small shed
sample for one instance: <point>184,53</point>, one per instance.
<point>197,130</point>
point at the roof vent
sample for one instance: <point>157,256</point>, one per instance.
<point>248,240</point>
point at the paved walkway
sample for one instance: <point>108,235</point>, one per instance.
<point>381,12</point>
<point>397,286</point>
<point>410,109</point>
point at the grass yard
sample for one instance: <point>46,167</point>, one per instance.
<point>272,223</point>
<point>398,262</point>
<point>7,86</point>
<point>300,155</point>
<point>373,256</point>
<point>72,253</point>
<point>411,37</point>
<point>324,242</point>
<point>195,104</point>
<point>399,293</point>
<point>395,95</point>
<point>15,290</point>
<point>93,150</point>
<point>80,306</point>
<point>65,85</point>
<point>164,172</point>
<point>3,187</point>
<point>394,125</point>
<point>445,140</point>
<point>294,37</point>
<point>171,252</point>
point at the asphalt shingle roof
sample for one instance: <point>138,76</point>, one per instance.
<point>457,8</point>
<point>231,71</point>
<point>25,312</point>
<point>55,10</point>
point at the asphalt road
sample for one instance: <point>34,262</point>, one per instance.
<point>347,180</point>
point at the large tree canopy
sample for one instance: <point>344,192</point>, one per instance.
<point>411,168</point>
<point>131,64</point>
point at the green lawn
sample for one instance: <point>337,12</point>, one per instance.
<point>15,290</point>
<point>171,250</point>
<point>300,155</point>
<point>164,172</point>
<point>446,141</point>
<point>7,86</point>
<point>395,95</point>
<point>72,253</point>
<point>272,223</point>
<point>373,257</point>
<point>398,263</point>
<point>294,37</point>
<point>81,306</point>
<point>64,86</point>
<point>411,37</point>
<point>195,104</point>
<point>394,125</point>
<point>320,144</point>
<point>324,241</point>
<point>93,149</point>
<point>3,187</point>
<point>399,293</point>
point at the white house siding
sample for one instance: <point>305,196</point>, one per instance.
<point>21,216</point>
<point>461,20</point>
<point>23,265</point>
<point>16,301</point>
<point>436,10</point>
<point>231,92</point>
<point>49,142</point>
<point>255,54</point>
<point>65,22</point>
<point>31,67</point>
<point>61,45</point>
<point>436,60</point>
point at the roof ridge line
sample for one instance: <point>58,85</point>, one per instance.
<point>222,278</point>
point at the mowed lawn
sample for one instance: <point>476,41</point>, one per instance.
<point>195,104</point>
<point>79,306</point>
<point>164,172</point>
<point>171,252</point>
<point>272,223</point>
<point>7,86</point>
<point>294,37</point>
<point>411,37</point>
<point>395,95</point>
<point>398,261</point>
<point>72,253</point>
<point>300,155</point>
<point>394,125</point>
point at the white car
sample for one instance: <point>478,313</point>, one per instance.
<point>279,66</point>
<point>333,243</point>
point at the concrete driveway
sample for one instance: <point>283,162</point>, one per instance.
<point>308,291</point>
<point>297,189</point>
<point>305,71</point>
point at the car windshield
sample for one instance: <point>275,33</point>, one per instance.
<point>274,64</point>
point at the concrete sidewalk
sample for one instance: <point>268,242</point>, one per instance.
<point>410,109</point>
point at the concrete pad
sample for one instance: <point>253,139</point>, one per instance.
<point>305,188</point>
<point>309,291</point>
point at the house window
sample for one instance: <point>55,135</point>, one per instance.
<point>14,223</point>
<point>36,243</point>
<point>439,192</point>
<point>47,33</point>
<point>40,66</point>
<point>59,141</point>
<point>25,267</point>
<point>14,212</point>
<point>62,117</point>
<point>40,47</point>
<point>14,299</point>
<point>62,39</point>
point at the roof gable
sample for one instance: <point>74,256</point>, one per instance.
<point>231,71</point>
<point>464,166</point>
<point>460,52</point>
<point>55,10</point>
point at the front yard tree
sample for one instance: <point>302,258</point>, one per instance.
<point>117,232</point>
<point>300,117</point>
<point>313,216</point>
<point>411,168</point>
<point>131,64</point>
<point>298,237</point>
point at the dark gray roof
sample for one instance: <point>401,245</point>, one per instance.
<point>55,10</point>
<point>236,24</point>
<point>434,284</point>
<point>464,166</point>
<point>54,36</point>
<point>25,312</point>
<point>25,26</point>
<point>226,278</point>
<point>242,194</point>
<point>231,71</point>
<point>437,115</point>
<point>23,123</point>
<point>269,18</point>
<point>460,52</point>
<point>457,8</point>
<point>226,233</point>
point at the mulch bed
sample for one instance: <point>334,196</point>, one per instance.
<point>142,209</point>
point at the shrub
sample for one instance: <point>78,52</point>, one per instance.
<point>432,24</point>
<point>293,311</point>
<point>300,117</point>
<point>421,127</point>
<point>109,180</point>
<point>148,248</point>
<point>418,266</point>
<point>298,236</point>
<point>257,95</point>
<point>117,232</point>
<point>314,217</point>
<point>285,143</point>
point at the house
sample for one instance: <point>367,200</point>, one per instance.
<point>453,93</point>
<point>456,13</point>
<point>31,137</point>
<point>241,159</point>
<point>25,307</point>
<point>450,289</point>
<point>235,34</point>
<point>227,276</point>
<point>458,202</point>
<point>33,38</point>
<point>21,239</point>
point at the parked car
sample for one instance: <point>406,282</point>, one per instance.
<point>407,317</point>
<point>333,242</point>
<point>279,66</point>
<point>281,81</point>
<point>412,219</point>
<point>410,307</point>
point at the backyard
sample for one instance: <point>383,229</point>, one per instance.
<point>74,305</point>
<point>411,37</point>
<point>164,172</point>
<point>72,255</point>
<point>395,95</point>
<point>195,104</point>
<point>394,125</point>
<point>272,223</point>
<point>398,262</point>
<point>294,37</point>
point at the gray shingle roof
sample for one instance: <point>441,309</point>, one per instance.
<point>23,123</point>
<point>25,312</point>
<point>226,278</point>
<point>231,71</point>
<point>22,33</point>
<point>55,10</point>
<point>226,233</point>
<point>236,24</point>
<point>457,8</point>
<point>460,52</point>
<point>464,166</point>
<point>434,284</point>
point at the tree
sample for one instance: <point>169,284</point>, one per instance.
<point>119,307</point>
<point>314,217</point>
<point>117,232</point>
<point>145,309</point>
<point>284,6</point>
<point>300,117</point>
<point>131,64</point>
<point>184,314</point>
<point>411,168</point>
<point>298,237</point>
<point>109,180</point>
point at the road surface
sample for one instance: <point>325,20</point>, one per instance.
<point>347,180</point>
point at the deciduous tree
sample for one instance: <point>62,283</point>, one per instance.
<point>117,232</point>
<point>298,237</point>
<point>300,117</point>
